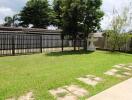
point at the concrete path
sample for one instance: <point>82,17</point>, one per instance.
<point>122,91</point>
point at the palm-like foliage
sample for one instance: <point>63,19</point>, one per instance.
<point>11,21</point>
<point>8,21</point>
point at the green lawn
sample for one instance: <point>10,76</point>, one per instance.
<point>42,72</point>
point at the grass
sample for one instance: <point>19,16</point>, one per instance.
<point>42,72</point>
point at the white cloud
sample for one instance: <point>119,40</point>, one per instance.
<point>1,21</point>
<point>5,12</point>
<point>10,7</point>
<point>14,4</point>
<point>108,6</point>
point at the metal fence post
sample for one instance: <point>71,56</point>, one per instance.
<point>41,43</point>
<point>13,44</point>
<point>130,45</point>
<point>62,38</point>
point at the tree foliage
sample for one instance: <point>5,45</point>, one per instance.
<point>79,15</point>
<point>57,8</point>
<point>117,41</point>
<point>92,16</point>
<point>11,21</point>
<point>8,21</point>
<point>118,37</point>
<point>36,12</point>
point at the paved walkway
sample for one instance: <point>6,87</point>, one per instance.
<point>122,91</point>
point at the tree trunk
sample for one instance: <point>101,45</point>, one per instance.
<point>86,41</point>
<point>74,44</point>
<point>85,44</point>
<point>74,40</point>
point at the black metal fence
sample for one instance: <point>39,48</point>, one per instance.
<point>25,43</point>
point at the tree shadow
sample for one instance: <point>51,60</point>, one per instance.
<point>113,53</point>
<point>116,52</point>
<point>68,53</point>
<point>119,53</point>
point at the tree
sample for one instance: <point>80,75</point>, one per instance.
<point>92,16</point>
<point>118,37</point>
<point>117,41</point>
<point>36,12</point>
<point>71,18</point>
<point>57,7</point>
<point>8,21</point>
<point>11,21</point>
<point>79,16</point>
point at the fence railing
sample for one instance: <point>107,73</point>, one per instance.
<point>25,43</point>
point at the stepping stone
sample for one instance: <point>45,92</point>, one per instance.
<point>114,70</point>
<point>90,80</point>
<point>90,76</point>
<point>129,66</point>
<point>129,69</point>
<point>98,79</point>
<point>68,97</point>
<point>119,66</point>
<point>28,96</point>
<point>130,63</point>
<point>76,90</point>
<point>122,64</point>
<point>127,74</point>
<point>61,94</point>
<point>72,92</point>
<point>11,99</point>
<point>93,77</point>
<point>111,72</point>
<point>120,76</point>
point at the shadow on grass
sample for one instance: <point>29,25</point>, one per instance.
<point>114,53</point>
<point>68,53</point>
<point>119,53</point>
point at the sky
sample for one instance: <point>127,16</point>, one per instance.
<point>11,7</point>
